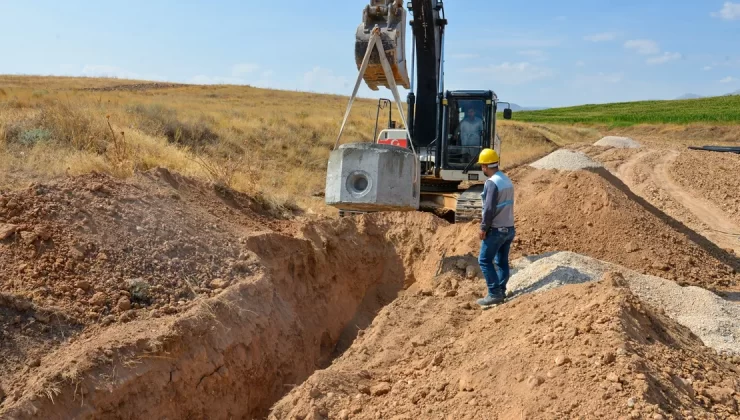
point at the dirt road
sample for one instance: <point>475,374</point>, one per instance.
<point>648,174</point>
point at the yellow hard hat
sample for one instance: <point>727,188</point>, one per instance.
<point>487,157</point>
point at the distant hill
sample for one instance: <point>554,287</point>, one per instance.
<point>689,96</point>
<point>695,96</point>
<point>515,107</point>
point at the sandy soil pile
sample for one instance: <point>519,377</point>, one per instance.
<point>716,176</point>
<point>618,142</point>
<point>96,248</point>
<point>579,350</point>
<point>714,320</point>
<point>565,160</point>
<point>594,213</point>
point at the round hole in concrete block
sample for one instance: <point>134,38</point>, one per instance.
<point>359,183</point>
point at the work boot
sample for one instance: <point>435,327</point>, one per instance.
<point>491,300</point>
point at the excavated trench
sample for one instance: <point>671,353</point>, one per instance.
<point>236,354</point>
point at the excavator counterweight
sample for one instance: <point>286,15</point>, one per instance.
<point>390,17</point>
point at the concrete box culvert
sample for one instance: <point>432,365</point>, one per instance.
<point>372,177</point>
<point>235,354</point>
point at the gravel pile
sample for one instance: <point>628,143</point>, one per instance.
<point>618,142</point>
<point>566,160</point>
<point>713,319</point>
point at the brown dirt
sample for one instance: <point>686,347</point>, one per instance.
<point>712,175</point>
<point>699,195</point>
<point>579,351</point>
<point>166,297</point>
<point>85,244</point>
<point>223,292</point>
<point>594,213</point>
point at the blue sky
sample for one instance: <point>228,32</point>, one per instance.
<point>535,53</point>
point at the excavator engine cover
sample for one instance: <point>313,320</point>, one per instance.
<point>390,17</point>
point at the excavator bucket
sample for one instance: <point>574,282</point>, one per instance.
<point>390,17</point>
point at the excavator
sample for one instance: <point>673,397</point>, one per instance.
<point>446,129</point>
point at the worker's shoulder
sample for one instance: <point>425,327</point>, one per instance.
<point>501,180</point>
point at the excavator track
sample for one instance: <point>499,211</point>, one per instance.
<point>469,205</point>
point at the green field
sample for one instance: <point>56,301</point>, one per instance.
<point>716,110</point>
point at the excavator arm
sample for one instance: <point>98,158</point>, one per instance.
<point>428,26</point>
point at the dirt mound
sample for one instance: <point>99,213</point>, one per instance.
<point>165,289</point>
<point>714,320</point>
<point>578,351</point>
<point>239,348</point>
<point>97,248</point>
<point>593,213</point>
<point>565,160</point>
<point>713,176</point>
<point>618,142</point>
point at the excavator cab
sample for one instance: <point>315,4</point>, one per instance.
<point>467,130</point>
<point>467,126</point>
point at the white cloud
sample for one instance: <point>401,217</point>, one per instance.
<point>707,68</point>
<point>536,55</point>
<point>580,63</point>
<point>464,56</point>
<point>728,79</point>
<point>243,69</point>
<point>643,46</point>
<point>324,80</point>
<point>604,36</point>
<point>730,11</point>
<point>513,73</point>
<point>666,57</point>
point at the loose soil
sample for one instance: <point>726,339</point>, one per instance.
<point>714,176</point>
<point>698,189</point>
<point>163,297</point>
<point>579,351</point>
<point>592,212</point>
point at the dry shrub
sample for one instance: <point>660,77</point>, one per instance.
<point>158,120</point>
<point>221,172</point>
<point>75,126</point>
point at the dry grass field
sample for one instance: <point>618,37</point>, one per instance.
<point>269,143</point>
<point>264,142</point>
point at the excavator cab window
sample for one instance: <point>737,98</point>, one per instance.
<point>467,131</point>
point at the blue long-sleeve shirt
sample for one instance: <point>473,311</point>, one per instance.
<point>498,202</point>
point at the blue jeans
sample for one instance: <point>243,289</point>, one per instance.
<point>495,250</point>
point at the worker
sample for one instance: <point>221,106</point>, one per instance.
<point>471,128</point>
<point>496,229</point>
